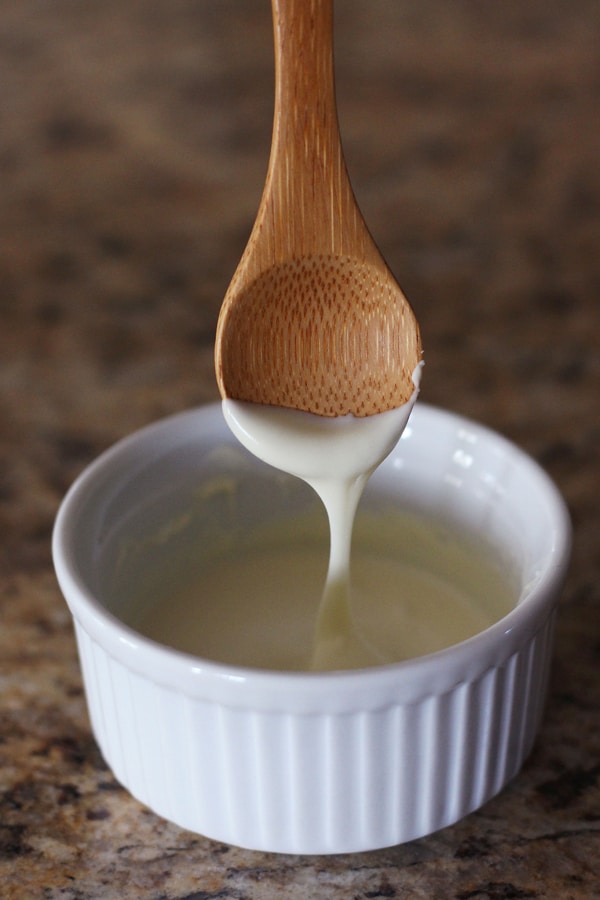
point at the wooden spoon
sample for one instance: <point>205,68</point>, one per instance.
<point>313,318</point>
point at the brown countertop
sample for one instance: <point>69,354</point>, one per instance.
<point>133,144</point>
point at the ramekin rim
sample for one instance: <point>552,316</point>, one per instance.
<point>172,667</point>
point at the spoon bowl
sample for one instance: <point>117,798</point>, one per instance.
<point>313,318</point>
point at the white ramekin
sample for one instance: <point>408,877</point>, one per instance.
<point>312,763</point>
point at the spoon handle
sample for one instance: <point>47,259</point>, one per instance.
<point>308,197</point>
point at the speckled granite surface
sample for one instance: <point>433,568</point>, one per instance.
<point>133,144</point>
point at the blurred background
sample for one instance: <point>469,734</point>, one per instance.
<point>134,142</point>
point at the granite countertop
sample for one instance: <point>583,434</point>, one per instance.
<point>133,145</point>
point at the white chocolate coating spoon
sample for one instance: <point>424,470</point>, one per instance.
<point>335,456</point>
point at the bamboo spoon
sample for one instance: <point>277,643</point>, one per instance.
<point>313,318</point>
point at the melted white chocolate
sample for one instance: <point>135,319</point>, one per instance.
<point>335,456</point>
<point>265,605</point>
<point>417,587</point>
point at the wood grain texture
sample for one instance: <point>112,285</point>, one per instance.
<point>313,318</point>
